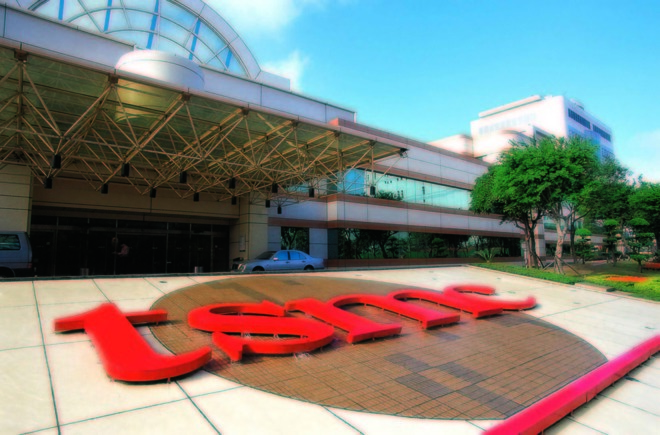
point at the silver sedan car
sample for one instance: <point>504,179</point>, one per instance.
<point>281,260</point>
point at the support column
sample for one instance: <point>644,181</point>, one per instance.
<point>249,236</point>
<point>274,238</point>
<point>540,239</point>
<point>318,242</point>
<point>15,198</point>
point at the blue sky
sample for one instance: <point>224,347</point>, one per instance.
<point>426,68</point>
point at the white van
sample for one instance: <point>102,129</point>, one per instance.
<point>15,254</point>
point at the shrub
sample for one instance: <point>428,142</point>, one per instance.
<point>488,254</point>
<point>533,273</point>
<point>649,289</point>
<point>583,247</point>
<point>640,241</point>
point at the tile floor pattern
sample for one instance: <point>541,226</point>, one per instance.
<point>487,368</point>
<point>53,383</point>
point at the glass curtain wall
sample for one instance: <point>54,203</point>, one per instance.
<point>71,246</point>
<point>354,243</point>
<point>358,182</point>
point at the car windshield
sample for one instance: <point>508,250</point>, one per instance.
<point>265,256</point>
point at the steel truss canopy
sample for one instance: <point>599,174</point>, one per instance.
<point>69,121</point>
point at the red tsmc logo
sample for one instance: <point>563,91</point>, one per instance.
<point>127,356</point>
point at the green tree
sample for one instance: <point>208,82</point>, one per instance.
<point>640,241</point>
<point>583,247</point>
<point>645,202</point>
<point>566,168</point>
<point>519,187</point>
<point>608,196</point>
<point>612,229</point>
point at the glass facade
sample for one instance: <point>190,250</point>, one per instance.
<point>353,243</point>
<point>358,182</point>
<point>166,25</point>
<point>65,246</point>
<point>295,238</point>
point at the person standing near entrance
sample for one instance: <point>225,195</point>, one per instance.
<point>123,261</point>
<point>125,249</point>
<point>121,253</point>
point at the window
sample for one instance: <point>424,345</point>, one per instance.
<point>153,24</point>
<point>540,135</point>
<point>413,191</point>
<point>579,119</point>
<point>9,242</point>
<point>293,255</point>
<point>354,243</point>
<point>294,238</point>
<point>602,133</point>
<point>606,154</point>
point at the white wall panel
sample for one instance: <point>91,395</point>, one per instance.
<point>274,238</point>
<point>355,212</point>
<point>318,235</point>
<point>332,112</point>
<point>232,87</point>
<point>15,198</point>
<point>486,224</point>
<point>335,211</point>
<point>387,215</point>
<point>318,242</point>
<point>293,104</point>
<point>425,218</point>
<point>310,210</point>
<point>424,167</point>
<point>424,155</point>
<point>456,175</point>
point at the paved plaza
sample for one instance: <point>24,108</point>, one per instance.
<point>456,379</point>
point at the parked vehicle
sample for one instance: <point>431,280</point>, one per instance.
<point>281,260</point>
<point>15,254</point>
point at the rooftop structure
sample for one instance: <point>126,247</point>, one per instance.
<point>535,117</point>
<point>190,29</point>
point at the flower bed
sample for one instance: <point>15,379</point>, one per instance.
<point>647,289</point>
<point>655,266</point>
<point>626,278</point>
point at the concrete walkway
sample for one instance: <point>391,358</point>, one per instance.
<point>52,383</point>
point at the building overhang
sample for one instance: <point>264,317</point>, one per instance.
<point>106,126</point>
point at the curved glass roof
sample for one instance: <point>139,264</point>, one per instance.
<point>187,28</point>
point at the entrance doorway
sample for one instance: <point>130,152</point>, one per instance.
<point>74,245</point>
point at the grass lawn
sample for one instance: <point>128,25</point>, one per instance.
<point>597,273</point>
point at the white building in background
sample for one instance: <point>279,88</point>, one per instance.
<point>535,117</point>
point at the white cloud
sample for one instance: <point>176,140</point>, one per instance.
<point>292,68</point>
<point>268,19</point>
<point>642,155</point>
<point>261,17</point>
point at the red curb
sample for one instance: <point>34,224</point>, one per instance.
<point>546,412</point>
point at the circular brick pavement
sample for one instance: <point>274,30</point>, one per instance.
<point>477,369</point>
